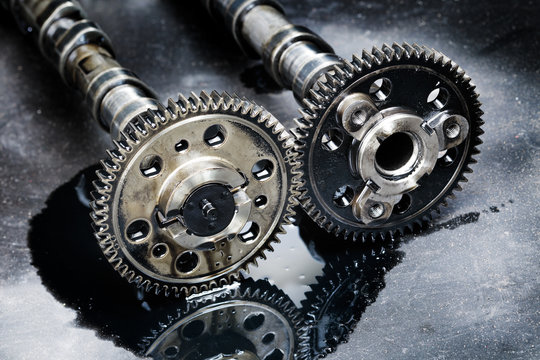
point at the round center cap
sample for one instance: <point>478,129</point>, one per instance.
<point>209,209</point>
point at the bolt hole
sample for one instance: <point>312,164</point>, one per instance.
<point>214,136</point>
<point>138,230</point>
<point>187,262</point>
<point>343,196</point>
<point>376,210</point>
<point>159,250</point>
<point>380,89</point>
<point>262,170</point>
<point>448,158</point>
<point>261,201</point>
<point>181,146</point>
<point>452,131</point>
<point>438,98</point>
<point>394,152</point>
<point>171,352</point>
<point>268,338</point>
<point>193,330</point>
<point>249,232</point>
<point>403,205</point>
<point>332,140</point>
<point>253,322</point>
<point>277,354</point>
<point>151,166</point>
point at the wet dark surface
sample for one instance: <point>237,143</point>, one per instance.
<point>466,287</point>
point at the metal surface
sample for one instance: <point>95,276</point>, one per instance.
<point>154,209</point>
<point>82,53</point>
<point>370,168</point>
<point>467,287</point>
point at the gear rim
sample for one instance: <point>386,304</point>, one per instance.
<point>137,135</point>
<point>331,88</point>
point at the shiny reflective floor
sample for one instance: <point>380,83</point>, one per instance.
<point>467,286</point>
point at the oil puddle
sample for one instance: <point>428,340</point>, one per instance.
<point>460,220</point>
<point>269,317</point>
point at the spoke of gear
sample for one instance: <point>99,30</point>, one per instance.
<point>349,284</point>
<point>385,140</point>
<point>248,321</point>
<point>193,193</point>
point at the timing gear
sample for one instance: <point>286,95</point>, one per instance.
<point>384,139</point>
<point>247,321</point>
<point>394,155</point>
<point>194,193</point>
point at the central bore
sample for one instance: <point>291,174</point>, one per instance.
<point>394,152</point>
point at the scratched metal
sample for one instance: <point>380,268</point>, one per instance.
<point>468,287</point>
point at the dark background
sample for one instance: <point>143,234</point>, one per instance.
<point>468,288</point>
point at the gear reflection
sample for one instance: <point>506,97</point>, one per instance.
<point>246,320</point>
<point>351,281</point>
<point>252,320</point>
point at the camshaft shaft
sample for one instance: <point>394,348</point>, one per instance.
<point>295,56</point>
<point>83,55</point>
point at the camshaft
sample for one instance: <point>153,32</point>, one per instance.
<point>83,55</point>
<point>295,56</point>
<point>384,138</point>
<point>179,206</point>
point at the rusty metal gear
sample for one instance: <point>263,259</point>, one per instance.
<point>193,193</point>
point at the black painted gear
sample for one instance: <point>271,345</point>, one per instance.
<point>117,235</point>
<point>249,320</point>
<point>349,284</point>
<point>416,66</point>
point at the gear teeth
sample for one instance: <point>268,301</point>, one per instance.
<point>367,58</point>
<point>217,99</point>
<point>183,103</point>
<point>138,132</point>
<point>165,112</point>
<point>174,108</point>
<point>334,80</point>
<point>358,278</point>
<point>206,99</point>
<point>378,55</point>
<point>318,96</point>
<point>342,77</point>
<point>156,116</point>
